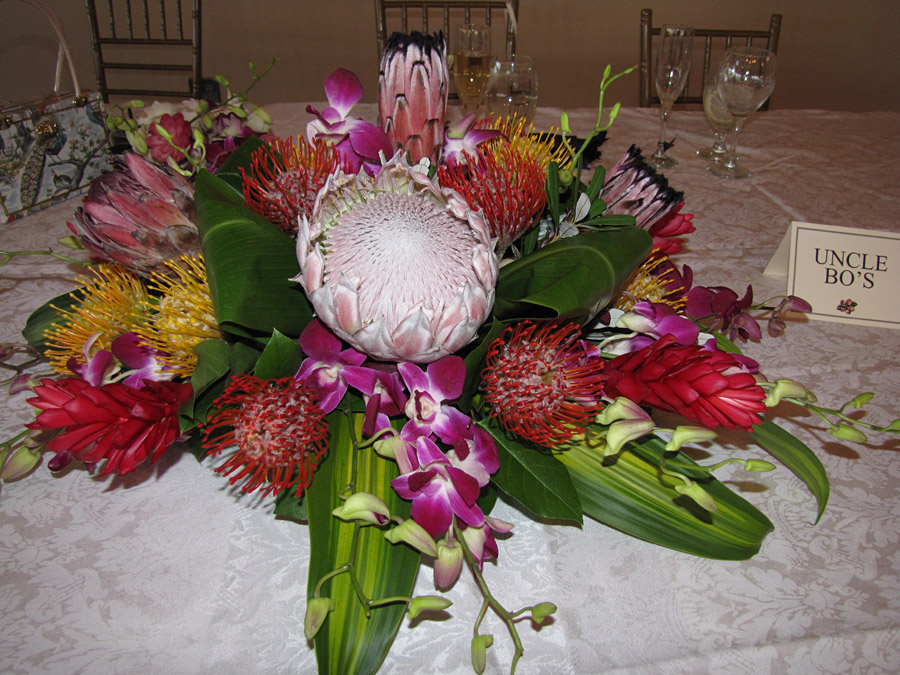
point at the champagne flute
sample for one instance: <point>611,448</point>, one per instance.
<point>745,80</point>
<point>512,88</point>
<point>673,63</point>
<point>717,116</point>
<point>471,64</point>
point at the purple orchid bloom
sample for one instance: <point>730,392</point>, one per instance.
<point>439,490</point>
<point>325,367</point>
<point>141,358</point>
<point>652,320</point>
<point>463,139</point>
<point>442,381</point>
<point>382,391</point>
<point>473,450</point>
<point>481,541</point>
<point>360,143</point>
<point>97,369</point>
<point>721,305</point>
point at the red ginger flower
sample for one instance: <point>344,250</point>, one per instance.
<point>506,183</point>
<point>542,382</point>
<point>278,429</point>
<point>710,387</point>
<point>285,177</point>
<point>115,422</point>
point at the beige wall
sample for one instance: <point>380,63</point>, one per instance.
<point>833,54</point>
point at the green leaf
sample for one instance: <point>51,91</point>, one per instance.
<point>348,642</point>
<point>287,505</point>
<point>535,479</point>
<point>249,263</point>
<point>280,358</point>
<point>46,316</point>
<point>572,278</point>
<point>475,362</point>
<point>797,457</point>
<point>626,492</point>
<point>208,382</point>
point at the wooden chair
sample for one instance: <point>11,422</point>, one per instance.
<point>429,16</point>
<point>718,40</point>
<point>134,38</point>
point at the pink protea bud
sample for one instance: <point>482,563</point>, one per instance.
<point>138,215</point>
<point>412,93</point>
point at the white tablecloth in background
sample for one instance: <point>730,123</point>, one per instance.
<point>169,570</point>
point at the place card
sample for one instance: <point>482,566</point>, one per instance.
<point>847,274</point>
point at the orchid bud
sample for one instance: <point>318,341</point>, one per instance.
<point>447,564</point>
<point>363,506</point>
<point>162,131</point>
<point>785,388</point>
<point>410,532</point>
<point>23,460</point>
<point>698,494</point>
<point>624,431</point>
<point>317,610</point>
<point>389,446</point>
<point>422,603</point>
<point>622,409</point>
<point>541,611</point>
<point>480,646</point>
<point>689,434</point>
<point>859,401</point>
<point>564,123</point>
<point>847,433</point>
<point>759,465</point>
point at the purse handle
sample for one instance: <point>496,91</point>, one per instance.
<point>63,56</point>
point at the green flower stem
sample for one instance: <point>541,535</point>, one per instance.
<point>7,256</point>
<point>389,601</point>
<point>346,567</point>
<point>492,602</point>
<point>824,412</point>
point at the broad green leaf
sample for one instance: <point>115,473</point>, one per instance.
<point>535,479</point>
<point>249,264</point>
<point>475,362</point>
<point>349,643</point>
<point>571,278</point>
<point>208,382</point>
<point>551,188</point>
<point>46,316</point>
<point>596,184</point>
<point>280,358</point>
<point>797,457</point>
<point>626,493</point>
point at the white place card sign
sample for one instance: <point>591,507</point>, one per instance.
<point>846,274</point>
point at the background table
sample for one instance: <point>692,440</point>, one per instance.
<point>169,570</point>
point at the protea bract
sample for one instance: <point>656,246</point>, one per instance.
<point>413,85</point>
<point>138,215</point>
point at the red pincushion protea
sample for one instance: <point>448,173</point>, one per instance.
<point>278,429</point>
<point>285,177</point>
<point>115,422</point>
<point>506,183</point>
<point>710,387</point>
<point>542,382</point>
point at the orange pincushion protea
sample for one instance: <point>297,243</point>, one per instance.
<point>285,177</point>
<point>278,429</point>
<point>542,382</point>
<point>506,183</point>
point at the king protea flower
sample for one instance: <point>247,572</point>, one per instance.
<point>413,85</point>
<point>138,215</point>
<point>708,386</point>
<point>397,266</point>
<point>634,188</point>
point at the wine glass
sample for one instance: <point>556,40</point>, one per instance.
<point>673,63</point>
<point>512,88</point>
<point>745,80</point>
<point>717,116</point>
<point>471,63</point>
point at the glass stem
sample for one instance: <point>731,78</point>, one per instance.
<point>663,119</point>
<point>732,160</point>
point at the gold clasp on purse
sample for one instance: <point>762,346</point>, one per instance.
<point>46,129</point>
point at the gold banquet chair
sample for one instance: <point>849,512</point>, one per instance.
<point>430,16</point>
<point>713,41</point>
<point>142,46</point>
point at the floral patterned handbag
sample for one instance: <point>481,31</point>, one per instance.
<point>50,148</point>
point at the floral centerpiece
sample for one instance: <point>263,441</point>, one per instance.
<point>384,327</point>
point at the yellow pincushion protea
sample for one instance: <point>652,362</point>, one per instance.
<point>650,283</point>
<point>184,315</point>
<point>537,144</point>
<point>115,301</point>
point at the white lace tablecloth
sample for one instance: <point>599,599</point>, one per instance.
<point>169,570</point>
